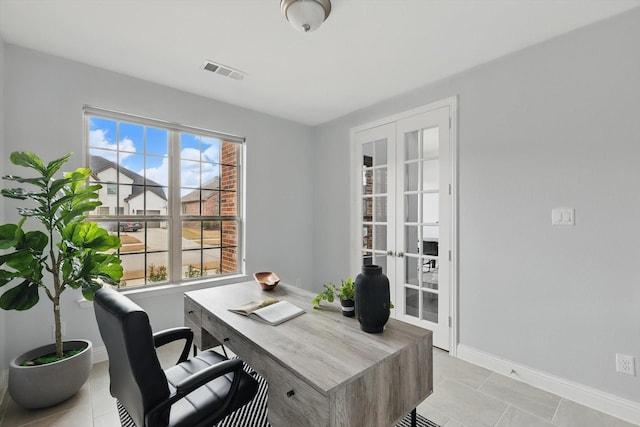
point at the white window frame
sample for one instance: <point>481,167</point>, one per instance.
<point>174,214</point>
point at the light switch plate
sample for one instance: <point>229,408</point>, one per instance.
<point>563,216</point>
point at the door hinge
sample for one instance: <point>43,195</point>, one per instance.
<point>449,189</point>
<point>449,122</point>
<point>449,321</point>
<point>449,255</point>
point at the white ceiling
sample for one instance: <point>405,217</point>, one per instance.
<point>367,51</point>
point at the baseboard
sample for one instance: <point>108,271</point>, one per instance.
<point>4,375</point>
<point>100,354</point>
<point>593,398</point>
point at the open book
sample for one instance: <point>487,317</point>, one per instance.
<point>269,310</point>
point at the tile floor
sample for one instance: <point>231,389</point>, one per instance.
<point>464,395</point>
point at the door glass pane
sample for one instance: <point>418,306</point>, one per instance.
<point>380,209</point>
<point>429,274</point>
<point>430,144</point>
<point>430,175</point>
<point>367,210</point>
<point>367,258</point>
<point>381,260</point>
<point>380,157</point>
<point>411,239</point>
<point>411,302</point>
<point>430,232</point>
<point>430,207</point>
<point>367,154</point>
<point>411,145</point>
<point>411,270</point>
<point>411,177</point>
<point>430,307</point>
<point>380,237</point>
<point>367,236</point>
<point>367,181</point>
<point>380,183</point>
<point>411,208</point>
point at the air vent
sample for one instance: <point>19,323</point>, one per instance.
<point>223,70</point>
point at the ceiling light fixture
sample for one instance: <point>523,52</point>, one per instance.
<point>306,15</point>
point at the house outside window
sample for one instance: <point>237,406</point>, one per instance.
<point>171,192</point>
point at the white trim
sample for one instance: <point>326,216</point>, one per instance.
<point>446,102</point>
<point>584,395</point>
<point>354,207</point>
<point>4,375</point>
<point>100,354</point>
<point>453,291</point>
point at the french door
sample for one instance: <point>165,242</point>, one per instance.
<point>405,214</point>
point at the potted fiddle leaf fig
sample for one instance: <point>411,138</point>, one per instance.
<point>64,252</point>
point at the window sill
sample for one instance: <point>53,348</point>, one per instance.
<point>169,289</point>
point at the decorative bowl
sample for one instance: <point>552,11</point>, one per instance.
<point>268,279</point>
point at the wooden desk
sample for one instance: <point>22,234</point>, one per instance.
<point>322,370</point>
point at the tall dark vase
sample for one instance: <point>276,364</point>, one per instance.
<point>372,299</point>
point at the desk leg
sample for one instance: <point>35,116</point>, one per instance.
<point>413,418</point>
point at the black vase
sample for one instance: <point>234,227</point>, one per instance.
<point>372,299</point>
<point>348,307</point>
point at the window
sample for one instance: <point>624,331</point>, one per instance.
<point>174,193</point>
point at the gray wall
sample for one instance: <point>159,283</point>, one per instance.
<point>43,112</point>
<point>3,322</point>
<point>554,125</point>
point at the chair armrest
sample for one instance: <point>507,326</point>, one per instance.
<point>161,338</point>
<point>199,379</point>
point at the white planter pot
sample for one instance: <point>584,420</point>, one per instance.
<point>46,385</point>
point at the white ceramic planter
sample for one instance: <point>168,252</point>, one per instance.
<point>46,385</point>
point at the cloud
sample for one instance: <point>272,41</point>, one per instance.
<point>159,174</point>
<point>98,140</point>
<point>189,172</point>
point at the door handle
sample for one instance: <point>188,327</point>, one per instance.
<point>400,254</point>
<point>390,253</point>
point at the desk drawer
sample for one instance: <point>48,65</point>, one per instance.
<point>192,312</point>
<point>193,320</point>
<point>242,347</point>
<point>293,402</point>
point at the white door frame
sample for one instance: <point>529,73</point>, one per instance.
<point>355,259</point>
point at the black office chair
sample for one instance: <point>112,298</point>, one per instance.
<point>197,392</point>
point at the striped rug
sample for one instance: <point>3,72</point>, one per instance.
<point>254,414</point>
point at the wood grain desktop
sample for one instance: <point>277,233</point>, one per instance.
<point>322,370</point>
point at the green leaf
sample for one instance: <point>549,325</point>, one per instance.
<point>30,212</point>
<point>57,185</point>
<point>17,193</point>
<point>8,237</point>
<point>27,159</point>
<point>22,261</point>
<point>90,236</point>
<point>35,240</point>
<point>78,211</point>
<point>78,178</point>
<point>55,165</point>
<point>8,276</point>
<point>89,289</point>
<point>35,181</point>
<point>21,297</point>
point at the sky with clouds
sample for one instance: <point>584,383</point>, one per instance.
<point>144,150</point>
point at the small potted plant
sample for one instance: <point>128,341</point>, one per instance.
<point>64,252</point>
<point>345,292</point>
